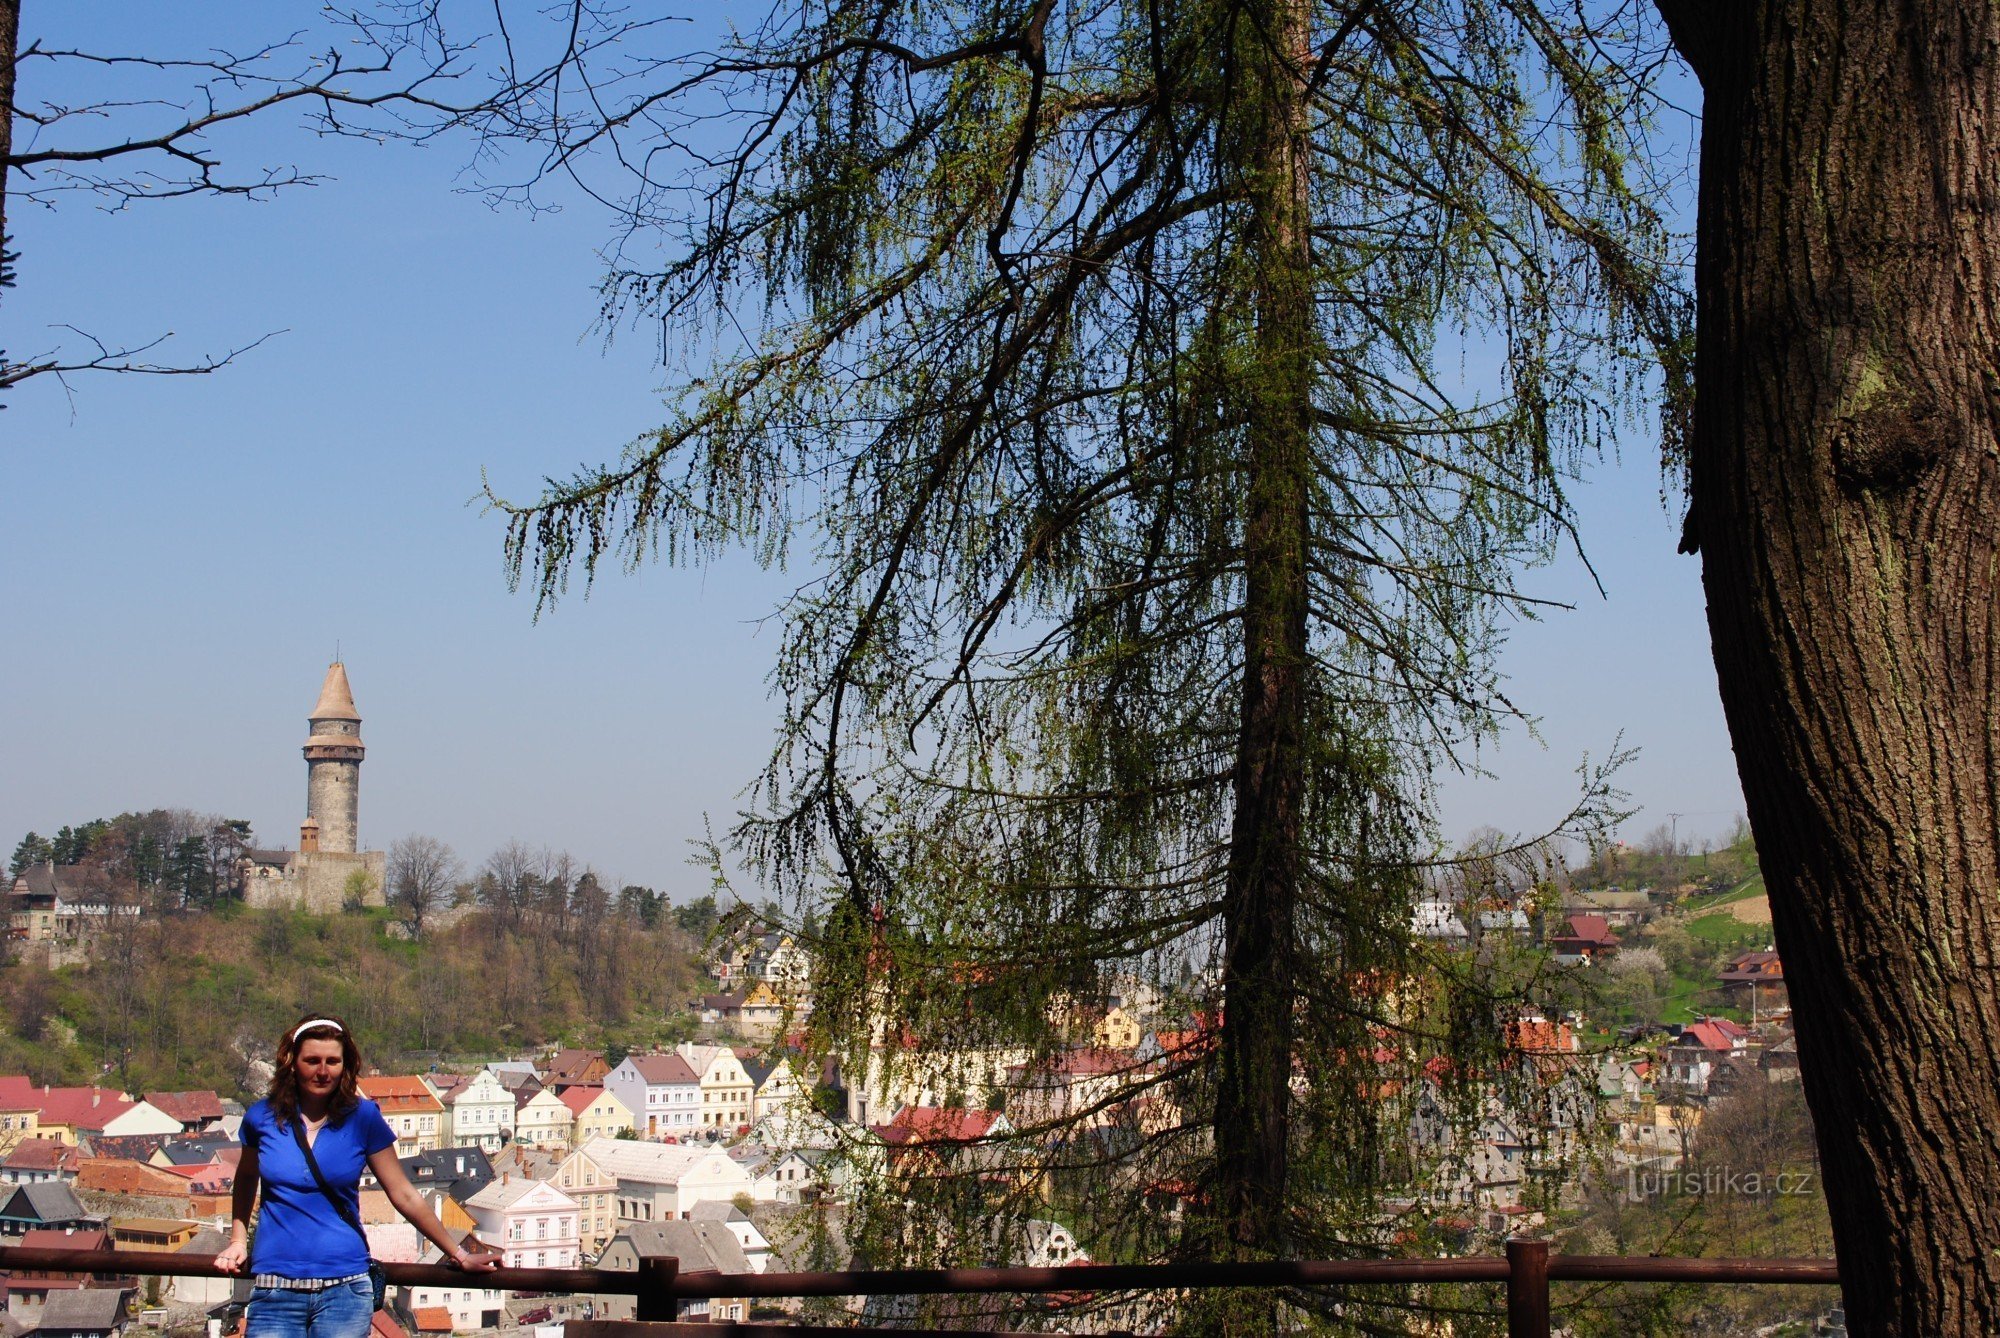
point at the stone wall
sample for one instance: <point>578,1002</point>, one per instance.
<point>316,881</point>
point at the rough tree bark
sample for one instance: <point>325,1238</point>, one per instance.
<point>1845,483</point>
<point>1260,897</point>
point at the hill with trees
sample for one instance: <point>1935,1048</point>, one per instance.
<point>533,948</point>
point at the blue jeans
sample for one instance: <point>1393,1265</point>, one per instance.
<point>346,1311</point>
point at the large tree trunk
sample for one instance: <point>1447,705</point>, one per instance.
<point>1261,893</point>
<point>1846,502</point>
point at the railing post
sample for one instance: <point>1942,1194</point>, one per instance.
<point>655,1301</point>
<point>1527,1288</point>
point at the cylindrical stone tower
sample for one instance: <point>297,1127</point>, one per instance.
<point>333,764</point>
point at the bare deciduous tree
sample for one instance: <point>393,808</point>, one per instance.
<point>422,872</point>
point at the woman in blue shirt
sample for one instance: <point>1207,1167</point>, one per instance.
<point>311,1259</point>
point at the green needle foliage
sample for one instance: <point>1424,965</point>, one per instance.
<point>1169,392</point>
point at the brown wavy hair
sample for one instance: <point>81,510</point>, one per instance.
<point>284,1093</point>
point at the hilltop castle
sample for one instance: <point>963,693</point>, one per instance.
<point>327,869</point>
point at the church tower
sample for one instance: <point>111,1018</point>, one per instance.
<point>333,764</point>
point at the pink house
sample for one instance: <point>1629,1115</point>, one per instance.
<point>532,1223</point>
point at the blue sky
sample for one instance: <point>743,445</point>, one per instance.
<point>182,555</point>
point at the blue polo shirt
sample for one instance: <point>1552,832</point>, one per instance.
<point>299,1233</point>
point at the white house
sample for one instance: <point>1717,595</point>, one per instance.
<point>531,1222</point>
<point>661,1182</point>
<point>792,1178</point>
<point>1045,1244</point>
<point>480,1112</point>
<point>662,1091</point>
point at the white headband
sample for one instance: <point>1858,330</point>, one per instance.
<point>304,1027</point>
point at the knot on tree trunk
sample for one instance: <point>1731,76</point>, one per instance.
<point>1889,445</point>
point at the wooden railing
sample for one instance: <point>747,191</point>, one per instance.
<point>1526,1270</point>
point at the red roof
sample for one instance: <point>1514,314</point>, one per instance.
<point>448,1085</point>
<point>84,1108</point>
<point>1591,929</point>
<point>49,1238</point>
<point>432,1319</point>
<point>578,1098</point>
<point>938,1124</point>
<point>187,1107</point>
<point>399,1095</point>
<point>209,1178</point>
<point>1538,1035</point>
<point>664,1070</point>
<point>1754,967</point>
<point>384,1325</point>
<point>1091,1059</point>
<point>570,1064</point>
<point>132,1147</point>
<point>41,1154</point>
<point>1186,1043</point>
<point>1717,1034</point>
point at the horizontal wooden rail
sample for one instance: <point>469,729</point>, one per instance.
<point>1527,1269</point>
<point>1089,1278</point>
<point>1629,1268</point>
<point>729,1328</point>
<point>656,1274</point>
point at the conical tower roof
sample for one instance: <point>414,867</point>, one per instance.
<point>336,699</point>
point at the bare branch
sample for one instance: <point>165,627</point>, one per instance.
<point>122,359</point>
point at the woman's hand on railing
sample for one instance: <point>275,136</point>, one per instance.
<point>233,1257</point>
<point>475,1258</point>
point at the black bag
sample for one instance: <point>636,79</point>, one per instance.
<point>378,1277</point>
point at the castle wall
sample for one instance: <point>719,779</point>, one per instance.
<point>316,881</point>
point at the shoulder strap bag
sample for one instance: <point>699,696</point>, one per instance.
<point>378,1277</point>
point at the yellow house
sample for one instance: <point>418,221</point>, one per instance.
<point>542,1121</point>
<point>596,1113</point>
<point>1117,1030</point>
<point>19,1119</point>
<point>157,1234</point>
<point>1108,1028</point>
<point>727,1091</point>
<point>592,1187</point>
<point>410,1108</point>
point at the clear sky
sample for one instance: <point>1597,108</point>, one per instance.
<point>181,556</point>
